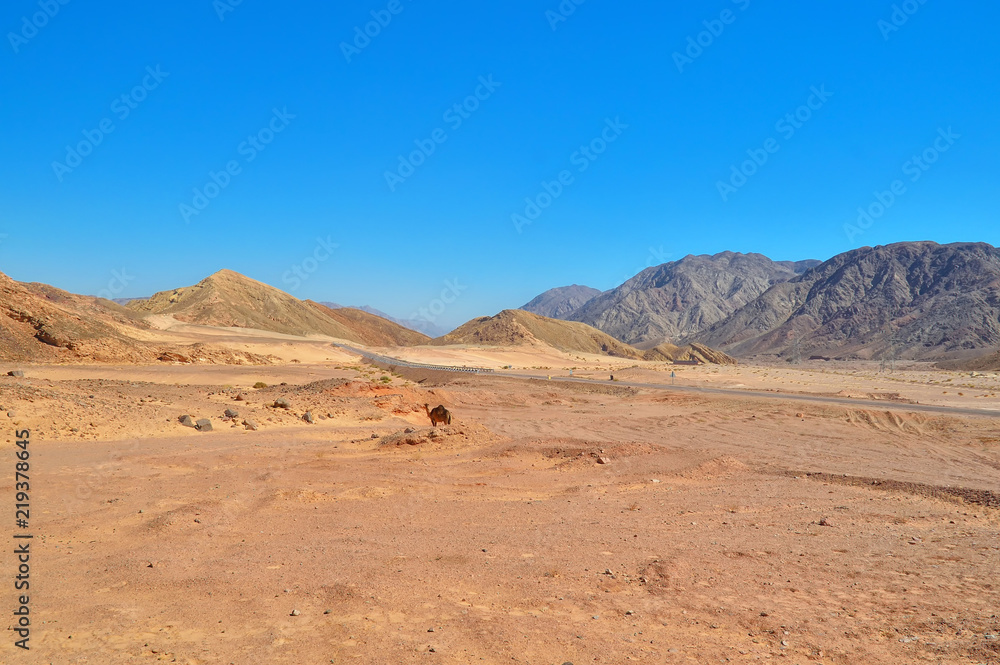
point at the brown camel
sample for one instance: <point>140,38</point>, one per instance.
<point>438,414</point>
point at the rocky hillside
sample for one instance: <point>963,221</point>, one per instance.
<point>41,322</point>
<point>229,299</point>
<point>514,327</point>
<point>917,300</point>
<point>673,300</point>
<point>561,302</point>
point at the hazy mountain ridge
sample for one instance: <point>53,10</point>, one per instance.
<point>420,325</point>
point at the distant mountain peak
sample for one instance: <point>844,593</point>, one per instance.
<point>561,302</point>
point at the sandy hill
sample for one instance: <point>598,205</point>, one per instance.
<point>514,327</point>
<point>561,302</point>
<point>229,299</point>
<point>916,300</point>
<point>42,323</point>
<point>670,353</point>
<point>673,300</point>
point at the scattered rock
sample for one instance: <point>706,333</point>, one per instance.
<point>327,611</point>
<point>296,613</point>
<point>603,460</point>
<point>308,417</point>
<point>240,398</point>
<point>18,373</point>
<point>12,414</point>
<point>800,415</point>
<point>825,522</point>
<point>204,425</point>
<point>187,421</point>
<point>282,403</point>
<point>374,436</point>
<point>250,425</point>
<point>229,414</point>
<point>409,430</point>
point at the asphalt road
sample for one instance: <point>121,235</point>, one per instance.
<point>726,392</point>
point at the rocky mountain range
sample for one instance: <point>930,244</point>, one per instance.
<point>910,300</point>
<point>916,300</point>
<point>667,302</point>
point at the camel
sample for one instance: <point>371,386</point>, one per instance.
<point>438,414</point>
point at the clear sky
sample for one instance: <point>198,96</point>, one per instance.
<point>633,115</point>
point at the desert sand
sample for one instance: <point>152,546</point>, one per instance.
<point>551,522</point>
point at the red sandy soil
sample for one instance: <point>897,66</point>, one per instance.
<point>550,523</point>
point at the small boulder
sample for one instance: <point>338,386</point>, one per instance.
<point>18,373</point>
<point>250,425</point>
<point>603,460</point>
<point>204,425</point>
<point>240,398</point>
<point>231,413</point>
<point>282,403</point>
<point>187,421</point>
<point>296,613</point>
<point>12,414</point>
<point>374,436</point>
<point>308,417</point>
<point>409,430</point>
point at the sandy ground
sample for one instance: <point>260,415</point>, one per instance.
<point>549,523</point>
<point>915,382</point>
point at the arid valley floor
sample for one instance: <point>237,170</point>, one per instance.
<point>551,522</point>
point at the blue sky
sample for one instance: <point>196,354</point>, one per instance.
<point>626,147</point>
